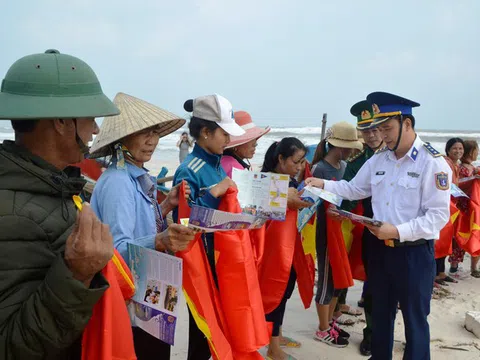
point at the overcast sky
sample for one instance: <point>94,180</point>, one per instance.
<point>286,62</point>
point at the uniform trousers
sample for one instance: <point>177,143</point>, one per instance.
<point>402,275</point>
<point>369,241</point>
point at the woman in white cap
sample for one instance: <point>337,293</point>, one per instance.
<point>242,148</point>
<point>329,163</point>
<point>125,194</point>
<point>211,125</point>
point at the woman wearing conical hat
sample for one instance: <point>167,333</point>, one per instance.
<point>242,148</point>
<point>125,195</point>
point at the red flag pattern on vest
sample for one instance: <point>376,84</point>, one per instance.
<point>353,237</point>
<point>468,230</point>
<point>337,253</point>
<point>108,335</point>
<point>281,248</point>
<point>240,294</point>
<point>201,293</point>
<point>443,246</point>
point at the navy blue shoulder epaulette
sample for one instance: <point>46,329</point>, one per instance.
<point>431,150</point>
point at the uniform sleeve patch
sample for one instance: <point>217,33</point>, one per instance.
<point>441,181</point>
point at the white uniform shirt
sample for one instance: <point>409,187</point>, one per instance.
<point>412,193</point>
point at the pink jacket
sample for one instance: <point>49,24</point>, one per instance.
<point>228,163</point>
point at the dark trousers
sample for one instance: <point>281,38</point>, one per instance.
<point>368,252</point>
<point>440,265</point>
<point>148,347</point>
<point>198,348</point>
<point>277,315</point>
<point>401,274</point>
<point>342,298</point>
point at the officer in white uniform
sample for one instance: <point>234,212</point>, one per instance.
<point>409,183</point>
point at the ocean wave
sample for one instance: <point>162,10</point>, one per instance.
<point>314,131</point>
<point>447,134</point>
<point>297,130</point>
<point>308,135</point>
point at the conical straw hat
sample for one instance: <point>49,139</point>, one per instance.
<point>135,115</point>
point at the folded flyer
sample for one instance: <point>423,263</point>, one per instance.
<point>210,220</point>
<point>262,194</point>
<point>306,214</point>
<point>356,218</point>
<point>312,194</point>
<point>158,284</point>
<point>468,179</point>
<point>315,196</point>
<point>456,192</point>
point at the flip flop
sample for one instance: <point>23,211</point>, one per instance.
<point>475,274</point>
<point>441,282</point>
<point>450,280</point>
<point>352,311</point>
<point>344,320</point>
<point>291,343</point>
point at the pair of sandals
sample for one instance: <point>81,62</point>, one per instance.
<point>348,321</point>
<point>446,280</point>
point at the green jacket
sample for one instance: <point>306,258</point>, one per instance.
<point>353,166</point>
<point>43,309</point>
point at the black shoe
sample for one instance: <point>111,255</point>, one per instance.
<point>342,333</point>
<point>365,349</point>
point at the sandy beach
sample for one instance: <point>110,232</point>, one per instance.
<point>449,339</point>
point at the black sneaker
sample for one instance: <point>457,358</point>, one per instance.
<point>342,333</point>
<point>331,337</point>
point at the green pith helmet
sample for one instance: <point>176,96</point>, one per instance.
<point>52,85</point>
<point>364,111</point>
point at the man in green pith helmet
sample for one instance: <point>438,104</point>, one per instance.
<point>364,112</point>
<point>49,268</point>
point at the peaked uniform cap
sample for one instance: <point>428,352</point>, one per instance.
<point>252,132</point>
<point>52,85</point>
<point>364,112</point>
<point>388,105</point>
<point>135,115</point>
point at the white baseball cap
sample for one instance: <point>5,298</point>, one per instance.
<point>215,108</point>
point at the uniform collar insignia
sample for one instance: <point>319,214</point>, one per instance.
<point>414,153</point>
